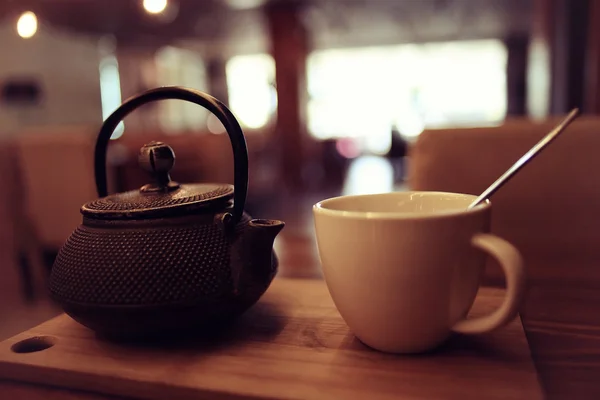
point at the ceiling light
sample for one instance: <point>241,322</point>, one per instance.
<point>155,6</point>
<point>27,25</point>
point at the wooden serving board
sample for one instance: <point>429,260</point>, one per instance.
<point>292,345</point>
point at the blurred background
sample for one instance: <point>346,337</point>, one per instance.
<point>332,96</point>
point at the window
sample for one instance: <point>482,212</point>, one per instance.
<point>363,93</point>
<point>175,66</point>
<point>252,95</point>
<point>110,90</point>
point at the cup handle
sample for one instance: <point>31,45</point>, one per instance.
<point>511,262</point>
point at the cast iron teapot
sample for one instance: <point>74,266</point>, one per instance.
<point>168,258</point>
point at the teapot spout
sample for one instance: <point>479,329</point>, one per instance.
<point>265,229</point>
<point>255,263</point>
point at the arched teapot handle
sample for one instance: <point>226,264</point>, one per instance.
<point>236,136</point>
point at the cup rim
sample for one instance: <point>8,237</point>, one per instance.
<point>321,207</point>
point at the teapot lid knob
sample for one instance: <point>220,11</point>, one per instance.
<point>158,158</point>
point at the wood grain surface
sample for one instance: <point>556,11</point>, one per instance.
<point>562,323</point>
<point>293,344</point>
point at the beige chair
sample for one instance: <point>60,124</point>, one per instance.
<point>16,238</point>
<point>550,209</point>
<point>56,175</point>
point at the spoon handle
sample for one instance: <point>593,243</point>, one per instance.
<point>535,150</point>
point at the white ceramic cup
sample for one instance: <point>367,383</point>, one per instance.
<point>403,268</point>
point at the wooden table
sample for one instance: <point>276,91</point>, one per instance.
<point>562,321</point>
<point>561,315</point>
<point>293,344</point>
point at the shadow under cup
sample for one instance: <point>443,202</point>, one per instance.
<point>400,267</point>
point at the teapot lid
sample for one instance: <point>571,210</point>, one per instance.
<point>163,197</point>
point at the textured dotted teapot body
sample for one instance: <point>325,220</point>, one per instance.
<point>168,258</point>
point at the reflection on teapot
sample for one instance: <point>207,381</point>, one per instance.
<point>168,258</point>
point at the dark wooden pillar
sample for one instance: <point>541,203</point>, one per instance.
<point>217,78</point>
<point>568,61</point>
<point>289,48</point>
<point>516,74</point>
<point>592,95</point>
<point>560,29</point>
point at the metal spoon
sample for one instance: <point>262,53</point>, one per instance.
<point>535,150</point>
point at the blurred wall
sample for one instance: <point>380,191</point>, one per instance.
<point>67,68</point>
